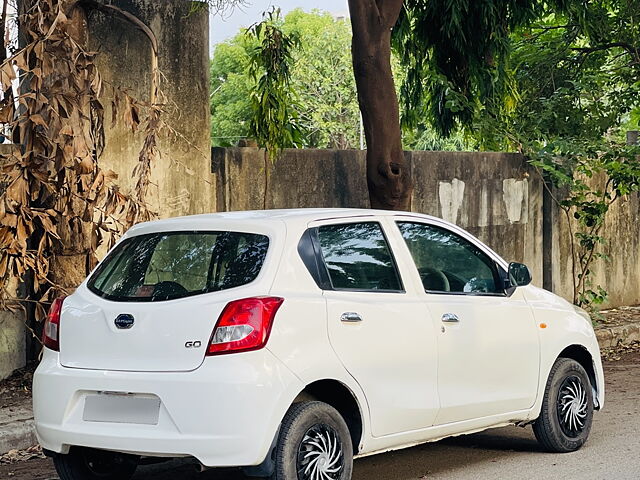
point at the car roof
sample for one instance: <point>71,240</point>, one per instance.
<point>294,215</point>
<point>271,221</point>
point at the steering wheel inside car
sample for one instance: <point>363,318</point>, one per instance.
<point>167,290</point>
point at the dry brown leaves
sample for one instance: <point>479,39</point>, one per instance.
<point>15,456</point>
<point>616,353</point>
<point>57,199</point>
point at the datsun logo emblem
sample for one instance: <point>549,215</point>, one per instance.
<point>124,321</point>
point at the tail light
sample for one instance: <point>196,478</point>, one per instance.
<point>244,325</point>
<point>51,330</point>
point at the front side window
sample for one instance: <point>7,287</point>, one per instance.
<point>358,257</point>
<point>449,263</point>
<point>165,266</point>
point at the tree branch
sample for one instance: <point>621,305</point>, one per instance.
<point>363,12</point>
<point>389,10</point>
<point>634,51</point>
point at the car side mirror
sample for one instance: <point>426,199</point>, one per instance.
<point>518,275</point>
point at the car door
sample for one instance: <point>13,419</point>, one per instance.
<point>378,327</point>
<point>487,341</point>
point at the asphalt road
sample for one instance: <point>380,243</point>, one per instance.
<point>612,452</point>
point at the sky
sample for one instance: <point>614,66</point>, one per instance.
<point>220,29</point>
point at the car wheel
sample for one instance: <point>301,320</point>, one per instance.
<point>314,443</point>
<point>567,408</point>
<point>90,464</point>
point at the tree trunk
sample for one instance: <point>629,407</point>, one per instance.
<point>388,176</point>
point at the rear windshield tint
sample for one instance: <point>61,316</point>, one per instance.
<point>165,266</point>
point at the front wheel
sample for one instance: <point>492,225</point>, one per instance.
<point>567,408</point>
<point>314,443</point>
<point>92,464</point>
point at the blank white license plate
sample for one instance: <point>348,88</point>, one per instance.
<point>115,408</point>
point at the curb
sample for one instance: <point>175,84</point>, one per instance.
<point>609,337</point>
<point>20,433</point>
<point>17,435</point>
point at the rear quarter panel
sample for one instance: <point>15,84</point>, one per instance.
<point>299,336</point>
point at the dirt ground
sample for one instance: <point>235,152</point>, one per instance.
<point>16,390</point>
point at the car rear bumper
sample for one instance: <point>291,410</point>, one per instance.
<point>225,413</point>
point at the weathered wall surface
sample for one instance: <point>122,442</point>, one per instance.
<point>300,179</point>
<point>493,195</point>
<point>182,182</point>
<point>12,342</point>
<point>619,274</point>
<point>498,197</point>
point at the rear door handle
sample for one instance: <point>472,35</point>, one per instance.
<point>350,317</point>
<point>450,318</point>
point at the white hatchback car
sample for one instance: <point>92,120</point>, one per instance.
<point>287,342</point>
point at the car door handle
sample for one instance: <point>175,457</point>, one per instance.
<point>450,318</point>
<point>350,317</point>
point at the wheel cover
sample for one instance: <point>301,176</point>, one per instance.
<point>320,455</point>
<point>572,406</point>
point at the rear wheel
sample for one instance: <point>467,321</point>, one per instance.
<point>567,408</point>
<point>314,443</point>
<point>91,464</point>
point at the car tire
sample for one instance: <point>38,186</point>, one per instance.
<point>314,442</point>
<point>92,464</point>
<point>567,408</point>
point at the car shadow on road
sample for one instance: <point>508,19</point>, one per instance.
<point>443,457</point>
<point>446,456</point>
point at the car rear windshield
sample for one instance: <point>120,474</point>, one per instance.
<point>166,266</point>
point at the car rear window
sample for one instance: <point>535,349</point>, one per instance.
<point>166,266</point>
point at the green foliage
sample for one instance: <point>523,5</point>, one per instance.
<point>323,78</point>
<point>274,113</point>
<point>563,92</point>
<point>456,56</point>
<point>423,137</point>
<point>320,75</point>
<point>231,88</point>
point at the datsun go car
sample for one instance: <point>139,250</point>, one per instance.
<point>288,342</point>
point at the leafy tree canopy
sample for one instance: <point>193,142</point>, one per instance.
<point>576,84</point>
<point>456,56</point>
<point>463,59</point>
<point>321,76</point>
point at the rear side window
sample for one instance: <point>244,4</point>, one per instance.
<point>165,266</point>
<point>358,257</point>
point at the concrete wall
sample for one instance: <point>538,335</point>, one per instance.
<point>619,274</point>
<point>13,334</point>
<point>495,196</point>
<point>498,197</point>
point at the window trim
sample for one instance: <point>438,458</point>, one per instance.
<point>91,278</point>
<point>323,270</point>
<point>498,272</point>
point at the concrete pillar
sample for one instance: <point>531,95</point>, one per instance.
<point>181,180</point>
<point>13,338</point>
